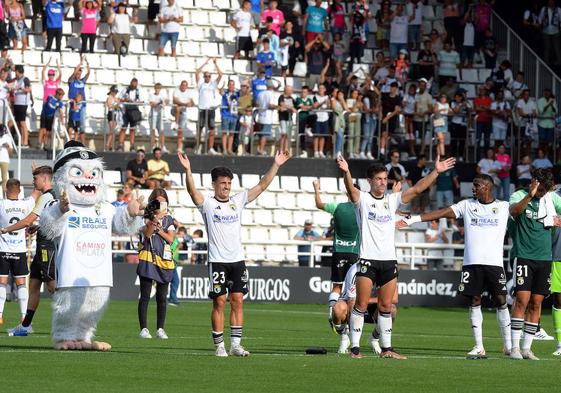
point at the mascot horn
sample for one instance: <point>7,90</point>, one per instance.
<point>80,222</point>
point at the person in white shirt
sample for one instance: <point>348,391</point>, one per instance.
<point>376,216</point>
<point>321,101</point>
<point>398,30</point>
<point>227,272</point>
<point>414,8</point>
<point>501,115</point>
<point>208,96</point>
<point>157,99</point>
<point>171,17</point>
<point>182,99</point>
<point>266,106</point>
<point>121,28</point>
<point>550,19</point>
<point>241,22</point>
<point>485,220</point>
<point>131,97</point>
<point>527,111</point>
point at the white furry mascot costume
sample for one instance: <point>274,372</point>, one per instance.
<point>80,222</point>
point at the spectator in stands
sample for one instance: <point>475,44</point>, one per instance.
<point>171,17</point>
<point>130,99</point>
<point>490,49</point>
<point>241,22</point>
<point>502,76</point>
<point>5,59</point>
<point>504,164</point>
<point>51,82</point>
<point>317,53</point>
<point>542,161</point>
<point>6,150</point>
<point>137,170</point>
<point>229,116</point>
<point>357,39</point>
<point>315,22</point>
<point>208,90</point>
<point>120,22</point>
<point>199,249</point>
<point>17,30</point>
<point>468,42</point>
<point>157,100</point>
<point>402,67</point>
<point>53,105</point>
<point>441,112</point>
<point>550,19</point>
<point>113,107</point>
<point>336,13</point>
<point>482,106</point>
<point>305,120</point>
<point>76,128</point>
<point>291,41</point>
<point>399,30</point>
<point>396,171</point>
<point>287,108</point>
<point>265,106</point>
<point>420,203</point>
<point>437,235</point>
<point>527,112</point>
<point>339,107</point>
<point>371,108</point>
<point>531,25</point>
<point>90,16</point>
<point>182,99</point>
<point>423,108</point>
<point>308,234</point>
<point>158,169</point>
<point>546,111</point>
<point>446,183</point>
<point>354,105</point>
<point>383,21</point>
<point>77,83</point>
<point>321,102</point>
<point>449,60</point>
<point>120,201</point>
<point>482,16</point>
<point>461,110</point>
<point>489,166</point>
<point>37,11</point>
<point>452,22</point>
<point>408,106</point>
<point>276,14</point>
<point>414,8</point>
<point>266,58</point>
<point>427,61</point>
<point>518,85</point>
<point>5,88</point>
<point>436,41</point>
<point>246,126</point>
<point>524,172</point>
<point>153,11</point>
<point>391,107</point>
<point>501,111</point>
<point>22,99</point>
<point>54,13</point>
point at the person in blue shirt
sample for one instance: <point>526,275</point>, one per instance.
<point>50,107</point>
<point>256,7</point>
<point>315,21</point>
<point>258,84</point>
<point>229,115</point>
<point>307,233</point>
<point>76,128</point>
<point>77,84</point>
<point>266,58</point>
<point>54,13</point>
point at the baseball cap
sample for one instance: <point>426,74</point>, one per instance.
<point>51,72</point>
<point>113,89</point>
<point>308,222</point>
<point>423,80</point>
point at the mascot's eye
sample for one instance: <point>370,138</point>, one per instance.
<point>75,172</point>
<point>95,173</point>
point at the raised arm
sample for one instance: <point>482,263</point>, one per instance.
<point>199,70</point>
<point>254,192</point>
<point>195,194</point>
<point>517,208</point>
<point>319,203</point>
<point>352,192</point>
<point>44,71</point>
<point>427,181</point>
<point>218,71</point>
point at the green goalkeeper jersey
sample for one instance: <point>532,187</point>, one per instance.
<point>347,234</point>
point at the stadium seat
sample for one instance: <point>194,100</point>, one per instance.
<point>247,217</point>
<point>172,196</point>
<point>306,183</point>
<point>255,252</point>
<point>275,253</point>
<point>283,218</point>
<point>305,201</point>
<point>470,75</point>
<point>286,200</point>
<point>484,73</point>
<point>290,183</point>
<point>250,180</point>
<point>267,200</point>
<point>207,180</point>
<point>466,189</point>
<point>112,177</point>
<point>329,184</point>
<point>258,234</point>
<point>175,178</point>
<point>183,215</point>
<point>322,219</point>
<point>278,234</point>
<point>262,217</point>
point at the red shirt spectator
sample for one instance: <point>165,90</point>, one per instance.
<point>482,105</point>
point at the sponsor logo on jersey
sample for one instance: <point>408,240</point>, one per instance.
<point>345,243</point>
<point>379,218</point>
<point>90,249</point>
<point>87,222</point>
<point>73,222</point>
<point>484,222</point>
<point>225,219</point>
<point>531,215</point>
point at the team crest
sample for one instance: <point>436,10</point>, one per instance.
<point>98,209</point>
<point>232,206</point>
<point>363,269</point>
<point>84,155</point>
<point>216,288</point>
<point>386,205</point>
<point>461,287</point>
<point>495,210</point>
<point>245,276</point>
<point>520,281</point>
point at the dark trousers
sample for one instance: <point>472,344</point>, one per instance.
<point>53,34</point>
<point>85,38</point>
<point>161,304</point>
<point>484,130</point>
<point>4,41</point>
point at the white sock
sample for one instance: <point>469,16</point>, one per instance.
<point>23,296</point>
<point>476,318</point>
<point>235,335</point>
<point>516,325</point>
<point>355,326</point>
<point>333,297</point>
<point>530,330</point>
<point>218,339</point>
<point>503,319</point>
<point>385,327</point>
<point>2,298</point>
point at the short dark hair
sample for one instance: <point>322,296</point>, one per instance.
<point>265,40</point>
<point>421,157</point>
<point>395,151</point>
<point>182,229</point>
<point>12,183</point>
<point>154,150</point>
<point>375,169</point>
<point>140,151</point>
<point>221,171</point>
<point>19,68</point>
<point>43,170</point>
<point>198,232</point>
<point>305,87</point>
<point>545,177</point>
<point>121,192</point>
<point>394,84</point>
<point>484,177</point>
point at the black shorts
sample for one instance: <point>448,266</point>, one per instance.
<point>245,44</point>
<point>532,276</point>
<point>206,116</point>
<point>380,272</point>
<point>14,262</point>
<point>227,278</point>
<point>478,278</point>
<point>43,264</point>
<point>128,121</point>
<point>46,122</point>
<point>76,125</point>
<point>20,112</point>
<point>340,265</point>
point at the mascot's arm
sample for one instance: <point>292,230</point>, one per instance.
<point>52,221</point>
<point>124,223</point>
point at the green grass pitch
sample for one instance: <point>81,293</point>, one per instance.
<point>436,341</point>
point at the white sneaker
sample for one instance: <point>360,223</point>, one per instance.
<point>165,150</point>
<point>145,333</point>
<point>362,155</point>
<point>528,354</point>
<point>369,156</point>
<point>309,132</point>
<point>316,154</point>
<point>212,152</point>
<point>476,353</point>
<point>221,352</point>
<point>19,330</point>
<point>375,344</point>
<point>321,154</point>
<point>344,344</point>
<point>161,333</point>
<point>238,350</point>
<point>557,351</point>
<point>304,154</point>
<point>515,354</point>
<point>542,335</point>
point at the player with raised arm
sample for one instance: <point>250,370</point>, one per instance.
<point>485,220</point>
<point>227,272</point>
<point>534,212</point>
<point>376,216</point>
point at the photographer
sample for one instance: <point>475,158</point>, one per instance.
<point>155,260</point>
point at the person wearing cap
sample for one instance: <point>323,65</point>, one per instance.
<point>130,98</point>
<point>113,108</point>
<point>89,9</point>
<point>54,12</point>
<point>208,90</point>
<point>120,22</point>
<point>50,79</point>
<point>171,17</point>
<point>308,234</point>
<point>137,170</point>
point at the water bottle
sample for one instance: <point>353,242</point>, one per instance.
<point>18,333</point>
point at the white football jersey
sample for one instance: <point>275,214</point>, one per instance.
<point>223,221</point>
<point>485,228</point>
<point>12,211</point>
<point>376,219</point>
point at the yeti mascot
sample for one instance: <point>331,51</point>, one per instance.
<point>80,222</point>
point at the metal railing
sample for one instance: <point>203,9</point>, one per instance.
<point>59,136</point>
<point>8,116</point>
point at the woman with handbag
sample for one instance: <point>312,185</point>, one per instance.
<point>155,261</point>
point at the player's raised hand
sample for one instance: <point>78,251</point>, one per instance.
<point>184,161</point>
<point>64,204</point>
<point>315,183</point>
<point>534,185</point>
<point>396,187</point>
<point>136,205</point>
<point>282,157</point>
<point>343,164</point>
<point>445,165</point>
